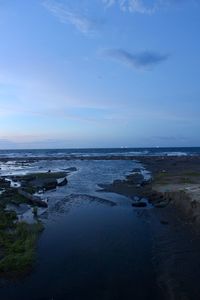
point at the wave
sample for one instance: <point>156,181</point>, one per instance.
<point>73,153</point>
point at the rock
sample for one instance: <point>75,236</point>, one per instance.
<point>117,182</point>
<point>145,182</point>
<point>62,181</point>
<point>136,178</point>
<point>4,183</point>
<point>71,169</point>
<point>164,222</point>
<point>160,204</point>
<point>50,185</point>
<point>32,199</point>
<point>139,204</point>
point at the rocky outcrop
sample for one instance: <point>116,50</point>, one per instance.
<point>4,183</point>
<point>62,181</point>
<point>34,200</point>
<point>139,204</point>
<point>186,198</point>
<point>44,181</point>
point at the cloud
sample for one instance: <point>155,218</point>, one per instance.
<point>109,3</point>
<point>143,6</point>
<point>65,15</point>
<point>140,60</point>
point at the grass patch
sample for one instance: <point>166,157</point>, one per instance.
<point>7,219</point>
<point>18,247</point>
<point>161,178</point>
<point>192,174</point>
<point>30,189</point>
<point>11,196</point>
<point>181,178</point>
<point>186,180</point>
<point>46,175</point>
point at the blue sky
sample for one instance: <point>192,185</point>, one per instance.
<point>99,73</point>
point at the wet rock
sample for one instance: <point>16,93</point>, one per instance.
<point>62,181</point>
<point>4,183</point>
<point>117,182</point>
<point>139,204</point>
<point>161,204</point>
<point>34,200</point>
<point>145,182</point>
<point>71,169</point>
<point>164,222</point>
<point>136,178</point>
<point>50,185</point>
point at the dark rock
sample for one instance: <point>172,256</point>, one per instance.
<point>139,204</point>
<point>136,178</point>
<point>164,222</point>
<point>32,199</point>
<point>161,204</point>
<point>71,169</point>
<point>50,185</point>
<point>4,183</point>
<point>143,183</point>
<point>62,182</point>
<point>116,182</point>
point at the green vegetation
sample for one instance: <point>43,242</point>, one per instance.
<point>18,239</point>
<point>185,177</point>
<point>7,219</point>
<point>32,183</point>
<point>11,195</point>
<point>17,245</point>
<point>186,180</point>
<point>35,211</point>
<point>30,189</point>
<point>161,178</point>
<point>191,173</point>
<point>44,175</point>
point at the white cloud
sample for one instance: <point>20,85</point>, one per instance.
<point>134,5</point>
<point>143,6</point>
<point>65,15</point>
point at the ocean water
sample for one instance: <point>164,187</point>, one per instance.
<point>100,152</point>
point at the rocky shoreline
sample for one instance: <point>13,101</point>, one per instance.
<point>173,219</point>
<point>18,237</point>
<point>175,181</point>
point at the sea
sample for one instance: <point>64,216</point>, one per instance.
<point>123,151</point>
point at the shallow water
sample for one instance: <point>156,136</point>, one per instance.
<point>96,246</point>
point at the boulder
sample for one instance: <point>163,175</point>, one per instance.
<point>35,200</point>
<point>62,181</point>
<point>139,204</point>
<point>50,185</point>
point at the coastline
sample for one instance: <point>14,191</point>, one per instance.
<point>167,209</point>
<point>173,192</point>
<point>176,182</point>
<point>175,179</point>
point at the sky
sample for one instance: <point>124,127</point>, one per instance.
<point>99,73</point>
